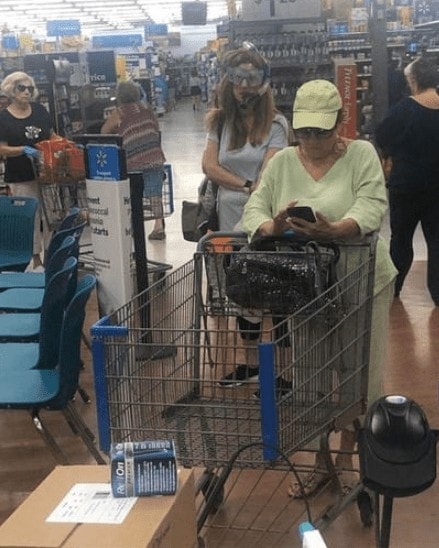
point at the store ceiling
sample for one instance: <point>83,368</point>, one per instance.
<point>97,16</point>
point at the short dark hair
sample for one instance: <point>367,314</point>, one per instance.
<point>127,92</point>
<point>424,72</point>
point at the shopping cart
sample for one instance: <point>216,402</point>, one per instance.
<point>61,174</point>
<point>160,379</point>
<point>57,198</point>
<point>167,197</point>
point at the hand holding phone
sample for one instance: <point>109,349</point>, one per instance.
<point>302,212</point>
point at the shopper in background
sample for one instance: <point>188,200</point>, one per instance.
<point>343,182</point>
<point>195,87</point>
<point>137,124</point>
<point>23,124</point>
<point>409,135</point>
<point>245,131</point>
<point>396,82</point>
<point>4,100</point>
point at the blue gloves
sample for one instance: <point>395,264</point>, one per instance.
<point>31,151</point>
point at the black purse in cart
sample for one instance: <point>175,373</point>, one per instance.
<point>280,274</point>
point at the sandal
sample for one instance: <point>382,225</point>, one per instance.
<point>157,235</point>
<point>348,481</point>
<point>313,481</point>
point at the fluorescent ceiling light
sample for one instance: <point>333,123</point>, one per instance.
<point>33,14</point>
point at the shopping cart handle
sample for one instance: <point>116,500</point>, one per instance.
<point>103,328</point>
<point>233,236</point>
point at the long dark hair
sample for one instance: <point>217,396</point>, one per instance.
<point>227,109</point>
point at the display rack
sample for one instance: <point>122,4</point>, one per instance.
<point>296,51</point>
<point>301,51</point>
<point>402,47</point>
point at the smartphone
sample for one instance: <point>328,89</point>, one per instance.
<point>302,212</point>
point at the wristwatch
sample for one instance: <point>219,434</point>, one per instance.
<point>248,184</point>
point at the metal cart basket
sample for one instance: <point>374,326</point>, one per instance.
<point>158,361</point>
<point>58,198</point>
<point>167,197</point>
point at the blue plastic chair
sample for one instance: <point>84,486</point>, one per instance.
<point>52,388</point>
<point>27,326</point>
<point>17,219</point>
<point>30,355</point>
<point>12,280</point>
<point>30,299</point>
<point>70,219</point>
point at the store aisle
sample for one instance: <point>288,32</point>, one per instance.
<point>183,137</point>
<point>410,370</point>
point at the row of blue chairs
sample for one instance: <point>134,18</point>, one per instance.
<point>40,337</point>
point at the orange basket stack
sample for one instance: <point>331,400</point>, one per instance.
<point>61,161</point>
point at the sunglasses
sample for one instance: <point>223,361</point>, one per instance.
<point>313,132</point>
<point>21,88</point>
<point>253,77</point>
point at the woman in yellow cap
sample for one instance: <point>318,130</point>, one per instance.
<point>343,182</point>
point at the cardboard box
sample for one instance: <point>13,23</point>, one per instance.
<point>159,522</point>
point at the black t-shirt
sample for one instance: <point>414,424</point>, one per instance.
<point>410,135</point>
<point>20,132</point>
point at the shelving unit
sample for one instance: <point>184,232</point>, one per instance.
<point>51,73</point>
<point>301,51</point>
<point>402,46</point>
<point>296,52</point>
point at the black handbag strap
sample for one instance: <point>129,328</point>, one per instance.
<point>291,241</point>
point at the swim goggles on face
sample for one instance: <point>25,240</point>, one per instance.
<point>313,132</point>
<point>252,77</point>
<point>22,87</point>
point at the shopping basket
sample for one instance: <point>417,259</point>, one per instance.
<point>61,161</point>
<point>61,174</point>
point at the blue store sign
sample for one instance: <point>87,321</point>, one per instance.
<point>101,67</point>
<point>104,162</point>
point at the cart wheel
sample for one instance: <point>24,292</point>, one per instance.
<point>365,507</point>
<point>207,488</point>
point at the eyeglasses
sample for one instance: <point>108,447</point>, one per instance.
<point>21,88</point>
<point>313,132</point>
<point>253,77</point>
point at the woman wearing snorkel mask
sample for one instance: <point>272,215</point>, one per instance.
<point>245,131</point>
<point>23,124</point>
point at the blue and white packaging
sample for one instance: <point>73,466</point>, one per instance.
<point>144,468</point>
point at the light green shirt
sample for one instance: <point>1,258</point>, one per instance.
<point>353,188</point>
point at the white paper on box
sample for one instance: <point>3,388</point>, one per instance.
<point>91,503</point>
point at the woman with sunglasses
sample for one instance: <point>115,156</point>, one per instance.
<point>23,124</point>
<point>343,182</point>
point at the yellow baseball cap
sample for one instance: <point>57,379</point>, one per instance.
<point>316,105</point>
